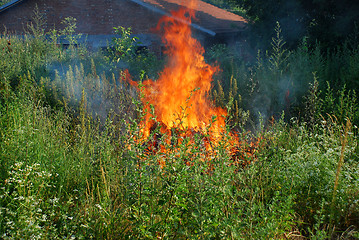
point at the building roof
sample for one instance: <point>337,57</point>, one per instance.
<point>9,4</point>
<point>209,18</point>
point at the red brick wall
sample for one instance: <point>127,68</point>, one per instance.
<point>93,16</point>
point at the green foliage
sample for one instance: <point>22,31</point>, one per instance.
<point>279,54</point>
<point>229,5</point>
<point>33,54</point>
<point>72,165</point>
<point>312,114</point>
<point>342,104</point>
<point>229,86</point>
<point>329,22</point>
<point>69,31</point>
<point>2,2</point>
<point>25,213</point>
<point>124,46</point>
<point>269,80</point>
<point>37,25</point>
<point>282,80</point>
<point>126,50</point>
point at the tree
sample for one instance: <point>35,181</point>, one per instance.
<point>328,21</point>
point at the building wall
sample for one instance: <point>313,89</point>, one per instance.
<point>94,17</point>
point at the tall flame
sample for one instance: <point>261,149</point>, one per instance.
<point>180,95</point>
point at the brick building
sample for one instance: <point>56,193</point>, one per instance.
<point>96,18</point>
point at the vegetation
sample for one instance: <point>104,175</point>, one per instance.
<point>2,2</point>
<point>229,5</point>
<point>329,22</point>
<point>71,167</point>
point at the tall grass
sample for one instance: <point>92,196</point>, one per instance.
<point>72,166</point>
<point>279,79</point>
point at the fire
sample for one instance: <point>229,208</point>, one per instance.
<point>180,95</point>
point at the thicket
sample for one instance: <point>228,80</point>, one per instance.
<point>305,83</point>
<point>329,22</point>
<point>71,167</point>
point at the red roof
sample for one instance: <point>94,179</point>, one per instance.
<point>208,17</point>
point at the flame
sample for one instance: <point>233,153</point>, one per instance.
<point>180,95</point>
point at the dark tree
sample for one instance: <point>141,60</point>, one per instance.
<point>329,21</point>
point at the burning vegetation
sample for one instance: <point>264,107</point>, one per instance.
<point>177,105</point>
<point>83,157</point>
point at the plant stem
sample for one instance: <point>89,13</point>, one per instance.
<point>340,163</point>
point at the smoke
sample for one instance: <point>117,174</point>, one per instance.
<point>91,83</point>
<point>272,100</point>
<point>99,80</point>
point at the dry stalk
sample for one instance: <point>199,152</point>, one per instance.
<point>340,163</point>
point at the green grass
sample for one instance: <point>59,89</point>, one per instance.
<point>72,169</point>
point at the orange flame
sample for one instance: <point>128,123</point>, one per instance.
<point>180,95</point>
